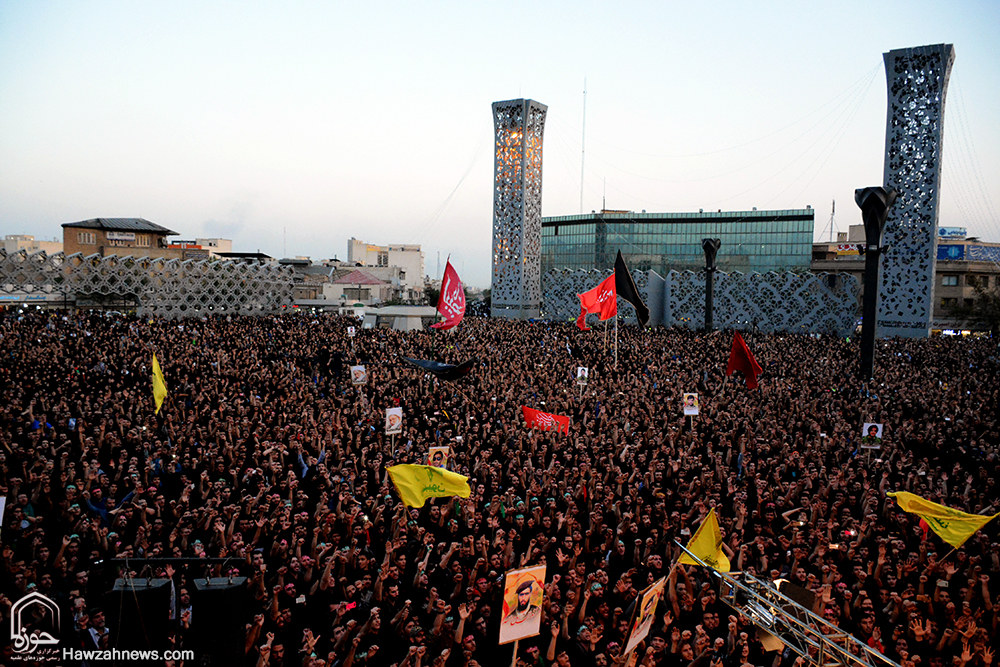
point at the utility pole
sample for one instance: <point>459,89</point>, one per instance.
<point>583,142</point>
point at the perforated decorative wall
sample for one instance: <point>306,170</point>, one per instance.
<point>519,126</point>
<point>168,288</point>
<point>917,81</point>
<point>788,302</point>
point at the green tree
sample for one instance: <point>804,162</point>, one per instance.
<point>984,310</point>
<point>431,295</point>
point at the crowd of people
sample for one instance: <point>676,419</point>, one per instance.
<point>267,455</point>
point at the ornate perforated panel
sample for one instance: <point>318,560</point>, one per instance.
<point>168,288</point>
<point>519,126</point>
<point>917,82</point>
<point>786,302</point>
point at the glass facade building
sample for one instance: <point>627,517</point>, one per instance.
<point>752,241</point>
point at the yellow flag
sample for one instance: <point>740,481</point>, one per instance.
<point>417,483</point>
<point>952,525</point>
<point>159,384</point>
<point>706,545</point>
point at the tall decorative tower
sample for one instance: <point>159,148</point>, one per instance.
<point>517,208</point>
<point>917,81</point>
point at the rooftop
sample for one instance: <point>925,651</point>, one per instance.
<point>122,225</point>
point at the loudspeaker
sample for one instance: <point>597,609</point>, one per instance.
<point>137,613</point>
<point>219,614</point>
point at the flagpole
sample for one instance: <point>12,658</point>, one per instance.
<point>616,341</point>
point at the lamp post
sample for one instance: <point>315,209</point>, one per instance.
<point>874,203</point>
<point>711,248</point>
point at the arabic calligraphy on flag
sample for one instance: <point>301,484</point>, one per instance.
<point>544,420</point>
<point>451,302</point>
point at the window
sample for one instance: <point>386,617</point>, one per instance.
<point>86,238</point>
<point>949,281</point>
<point>971,280</point>
<point>949,302</point>
<point>383,258</point>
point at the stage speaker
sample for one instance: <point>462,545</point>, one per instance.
<point>137,613</point>
<point>220,610</point>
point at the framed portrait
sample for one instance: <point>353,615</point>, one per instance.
<point>523,593</point>
<point>645,614</point>
<point>393,421</point>
<point>438,456</point>
<point>871,435</point>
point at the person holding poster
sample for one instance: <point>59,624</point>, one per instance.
<point>690,405</point>
<point>645,615</point>
<point>522,604</point>
<point>393,421</point>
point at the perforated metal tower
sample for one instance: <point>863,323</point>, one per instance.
<point>917,80</point>
<point>516,289</point>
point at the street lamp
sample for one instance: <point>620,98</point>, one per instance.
<point>711,248</point>
<point>875,203</point>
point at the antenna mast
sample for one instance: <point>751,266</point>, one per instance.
<point>833,213</point>
<point>583,141</point>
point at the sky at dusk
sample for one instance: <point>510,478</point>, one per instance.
<point>291,127</point>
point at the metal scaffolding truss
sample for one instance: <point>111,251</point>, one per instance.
<point>807,634</point>
<point>819,642</point>
<point>170,288</point>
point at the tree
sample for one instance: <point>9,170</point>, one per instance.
<point>985,309</point>
<point>431,295</point>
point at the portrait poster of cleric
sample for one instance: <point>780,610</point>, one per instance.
<point>359,375</point>
<point>871,435</point>
<point>645,614</point>
<point>523,591</point>
<point>393,421</point>
<point>690,405</point>
<point>438,456</point>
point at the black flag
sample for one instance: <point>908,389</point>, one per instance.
<point>625,287</point>
<point>444,371</point>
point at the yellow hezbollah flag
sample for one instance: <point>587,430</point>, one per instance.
<point>159,384</point>
<point>706,545</point>
<point>952,525</point>
<point>416,483</point>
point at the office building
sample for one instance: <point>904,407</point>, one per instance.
<point>752,241</point>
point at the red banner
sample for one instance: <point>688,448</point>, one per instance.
<point>451,303</point>
<point>545,421</point>
<point>602,300</point>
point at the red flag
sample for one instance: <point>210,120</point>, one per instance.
<point>741,359</point>
<point>451,302</point>
<point>603,299</point>
<point>545,421</point>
